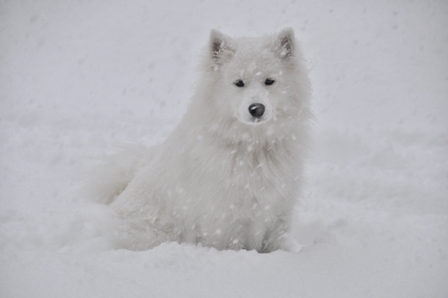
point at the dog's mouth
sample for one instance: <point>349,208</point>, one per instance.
<point>256,121</point>
<point>249,120</point>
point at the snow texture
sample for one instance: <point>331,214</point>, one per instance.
<point>79,79</point>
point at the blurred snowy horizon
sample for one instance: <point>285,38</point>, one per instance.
<point>79,79</point>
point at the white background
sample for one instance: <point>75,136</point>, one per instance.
<point>78,79</point>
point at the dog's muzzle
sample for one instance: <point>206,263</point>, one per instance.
<point>254,112</point>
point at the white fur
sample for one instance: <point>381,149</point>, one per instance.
<point>221,178</point>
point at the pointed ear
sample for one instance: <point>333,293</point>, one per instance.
<point>285,41</point>
<point>220,47</point>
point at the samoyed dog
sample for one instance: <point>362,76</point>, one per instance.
<point>230,174</point>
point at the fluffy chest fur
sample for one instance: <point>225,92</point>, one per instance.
<point>222,196</point>
<point>233,195</point>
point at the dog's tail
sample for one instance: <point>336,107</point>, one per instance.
<point>105,182</point>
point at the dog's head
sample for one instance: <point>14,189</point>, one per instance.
<point>255,78</point>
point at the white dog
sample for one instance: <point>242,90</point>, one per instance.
<point>229,175</point>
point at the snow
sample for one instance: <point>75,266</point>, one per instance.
<point>79,79</point>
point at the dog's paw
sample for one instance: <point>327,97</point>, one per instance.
<point>291,245</point>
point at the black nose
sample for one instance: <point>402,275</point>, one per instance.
<point>256,110</point>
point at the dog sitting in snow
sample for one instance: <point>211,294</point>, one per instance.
<point>230,174</point>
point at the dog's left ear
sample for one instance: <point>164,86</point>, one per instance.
<point>285,43</point>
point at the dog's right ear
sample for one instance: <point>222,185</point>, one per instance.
<point>221,48</point>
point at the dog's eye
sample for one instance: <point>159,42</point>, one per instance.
<point>269,82</point>
<point>239,83</point>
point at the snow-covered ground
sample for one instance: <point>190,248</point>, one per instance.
<point>79,79</point>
